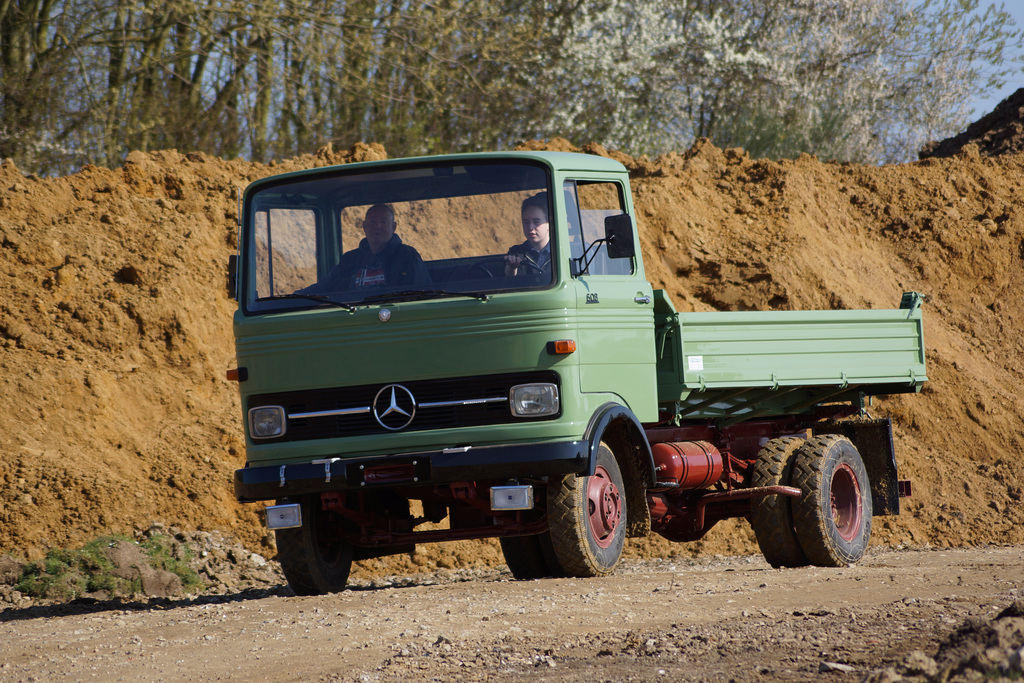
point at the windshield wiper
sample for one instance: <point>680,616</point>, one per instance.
<point>422,294</point>
<point>321,298</point>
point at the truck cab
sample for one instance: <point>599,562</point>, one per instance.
<point>457,381</point>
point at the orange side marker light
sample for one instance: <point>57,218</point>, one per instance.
<point>562,347</point>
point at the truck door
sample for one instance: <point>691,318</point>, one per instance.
<point>614,302</point>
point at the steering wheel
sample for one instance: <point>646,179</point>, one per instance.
<point>537,270</point>
<point>482,269</point>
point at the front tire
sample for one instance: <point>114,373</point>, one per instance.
<point>314,557</point>
<point>832,516</point>
<point>531,557</point>
<point>587,518</point>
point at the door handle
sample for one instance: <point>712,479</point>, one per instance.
<point>642,299</point>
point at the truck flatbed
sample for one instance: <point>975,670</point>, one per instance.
<point>733,366</point>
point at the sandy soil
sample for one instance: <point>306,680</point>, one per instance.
<point>898,613</point>
<point>115,333</point>
<point>115,328</point>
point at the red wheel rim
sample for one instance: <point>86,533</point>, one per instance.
<point>847,512</point>
<point>604,507</point>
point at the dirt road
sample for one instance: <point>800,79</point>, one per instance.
<point>656,620</point>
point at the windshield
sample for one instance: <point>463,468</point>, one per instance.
<point>344,238</point>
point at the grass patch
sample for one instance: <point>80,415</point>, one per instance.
<point>100,566</point>
<point>167,554</point>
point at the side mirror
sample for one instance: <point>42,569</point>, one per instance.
<point>233,276</point>
<point>618,236</point>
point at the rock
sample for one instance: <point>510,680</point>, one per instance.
<point>1015,663</point>
<point>544,660</point>
<point>888,675</point>
<point>131,562</point>
<point>9,597</point>
<point>157,583</point>
<point>829,667</point>
<point>10,570</point>
<point>918,663</point>
<point>128,275</point>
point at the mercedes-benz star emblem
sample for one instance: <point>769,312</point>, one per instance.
<point>384,315</point>
<point>394,407</point>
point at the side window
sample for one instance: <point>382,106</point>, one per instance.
<point>572,210</point>
<point>592,202</point>
<point>285,253</point>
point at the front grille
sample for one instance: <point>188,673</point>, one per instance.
<point>426,417</point>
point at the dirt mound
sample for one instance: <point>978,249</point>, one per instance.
<point>979,649</point>
<point>115,329</point>
<point>999,132</point>
<point>981,646</point>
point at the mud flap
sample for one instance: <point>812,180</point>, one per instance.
<point>874,442</point>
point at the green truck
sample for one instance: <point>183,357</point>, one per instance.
<point>466,346</point>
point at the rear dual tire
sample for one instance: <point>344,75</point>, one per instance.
<point>832,516</point>
<point>829,524</point>
<point>771,516</point>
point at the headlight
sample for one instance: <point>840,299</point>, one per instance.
<point>266,422</point>
<point>534,400</point>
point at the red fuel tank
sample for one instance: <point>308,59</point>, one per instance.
<point>687,464</point>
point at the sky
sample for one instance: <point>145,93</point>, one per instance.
<point>1016,81</point>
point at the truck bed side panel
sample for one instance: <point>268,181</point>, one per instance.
<point>729,355</point>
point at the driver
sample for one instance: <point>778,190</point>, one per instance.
<point>381,260</point>
<point>533,256</point>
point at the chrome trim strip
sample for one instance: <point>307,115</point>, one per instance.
<point>363,411</point>
<point>467,402</point>
<point>330,413</point>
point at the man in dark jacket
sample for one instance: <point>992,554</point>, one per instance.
<point>381,260</point>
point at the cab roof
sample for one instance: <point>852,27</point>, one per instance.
<point>555,161</point>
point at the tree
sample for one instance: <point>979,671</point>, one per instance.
<point>40,99</point>
<point>85,81</point>
<point>866,80</point>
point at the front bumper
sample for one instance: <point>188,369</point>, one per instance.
<point>272,482</point>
